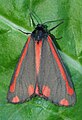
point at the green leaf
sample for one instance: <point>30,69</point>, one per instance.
<point>14,15</point>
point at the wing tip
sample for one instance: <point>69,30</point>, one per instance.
<point>16,100</point>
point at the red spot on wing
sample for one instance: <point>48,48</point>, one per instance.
<point>64,102</point>
<point>30,90</point>
<point>38,46</point>
<point>12,86</point>
<point>70,91</point>
<point>15,99</point>
<point>46,91</point>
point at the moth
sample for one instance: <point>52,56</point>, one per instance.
<point>41,71</point>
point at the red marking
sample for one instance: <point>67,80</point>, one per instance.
<point>30,90</point>
<point>15,99</point>
<point>70,91</point>
<point>37,90</point>
<point>38,46</point>
<point>12,87</point>
<point>64,102</point>
<point>46,91</point>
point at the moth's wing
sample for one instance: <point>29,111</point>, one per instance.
<point>54,81</point>
<point>23,81</point>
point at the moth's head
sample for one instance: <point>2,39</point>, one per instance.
<point>40,32</point>
<point>41,27</point>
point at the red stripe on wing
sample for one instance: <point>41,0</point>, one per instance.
<point>38,46</point>
<point>37,90</point>
<point>70,91</point>
<point>12,86</point>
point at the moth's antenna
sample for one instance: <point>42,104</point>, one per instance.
<point>50,21</point>
<point>32,20</point>
<point>36,18</point>
<point>24,32</point>
<point>56,26</point>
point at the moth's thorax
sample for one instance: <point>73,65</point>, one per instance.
<point>40,32</point>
